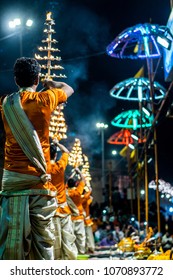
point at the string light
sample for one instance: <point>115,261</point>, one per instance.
<point>165,188</point>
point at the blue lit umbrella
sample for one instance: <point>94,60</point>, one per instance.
<point>137,89</point>
<point>140,41</point>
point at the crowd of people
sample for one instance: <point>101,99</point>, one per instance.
<point>42,217</point>
<point>110,231</point>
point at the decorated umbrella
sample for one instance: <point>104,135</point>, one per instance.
<point>124,137</point>
<point>144,41</point>
<point>131,119</point>
<point>140,41</point>
<point>137,89</point>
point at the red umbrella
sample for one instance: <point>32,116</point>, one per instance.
<point>124,137</point>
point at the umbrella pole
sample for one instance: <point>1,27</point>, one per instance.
<point>110,186</point>
<point>130,180</point>
<point>150,75</point>
<point>146,185</point>
<point>140,110</point>
<point>157,181</point>
<point>138,190</point>
<point>138,170</point>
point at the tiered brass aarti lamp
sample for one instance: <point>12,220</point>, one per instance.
<point>75,156</point>
<point>85,171</point>
<point>58,126</point>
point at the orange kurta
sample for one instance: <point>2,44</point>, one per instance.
<point>75,194</point>
<point>86,201</point>
<point>38,106</point>
<point>57,173</point>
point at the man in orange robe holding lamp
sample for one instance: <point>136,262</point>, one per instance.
<point>74,200</point>
<point>28,200</point>
<point>64,248</point>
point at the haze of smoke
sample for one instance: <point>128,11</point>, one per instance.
<point>82,113</point>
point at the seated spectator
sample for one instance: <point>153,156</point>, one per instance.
<point>108,240</point>
<point>130,230</point>
<point>142,231</point>
<point>117,233</point>
<point>167,241</point>
<point>157,234</point>
<point>101,232</point>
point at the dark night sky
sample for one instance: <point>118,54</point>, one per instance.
<point>83,30</point>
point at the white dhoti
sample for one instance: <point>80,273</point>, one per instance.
<point>65,248</point>
<point>79,231</point>
<point>90,243</point>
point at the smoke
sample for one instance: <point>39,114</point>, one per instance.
<point>82,38</point>
<point>84,110</point>
<point>76,73</point>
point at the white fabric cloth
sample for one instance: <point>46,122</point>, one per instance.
<point>23,130</point>
<point>64,248</point>
<point>79,231</point>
